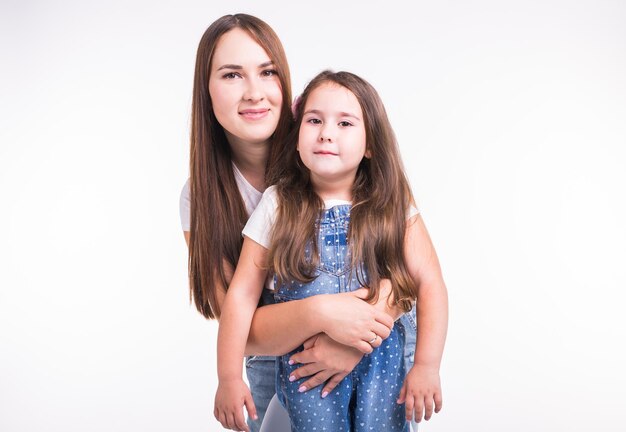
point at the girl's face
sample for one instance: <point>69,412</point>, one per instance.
<point>332,134</point>
<point>244,89</point>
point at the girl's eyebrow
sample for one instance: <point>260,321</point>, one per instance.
<point>340,114</point>
<point>239,67</point>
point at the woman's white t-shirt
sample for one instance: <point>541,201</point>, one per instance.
<point>250,195</point>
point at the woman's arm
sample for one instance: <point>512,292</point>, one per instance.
<point>325,361</point>
<point>422,388</point>
<point>345,317</point>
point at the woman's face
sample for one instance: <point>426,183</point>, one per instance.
<point>244,89</point>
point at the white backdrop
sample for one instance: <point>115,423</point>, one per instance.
<point>511,116</point>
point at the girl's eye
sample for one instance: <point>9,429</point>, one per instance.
<point>230,75</point>
<point>345,123</point>
<point>314,121</point>
<point>269,73</point>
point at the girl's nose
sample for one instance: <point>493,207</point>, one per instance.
<point>326,133</point>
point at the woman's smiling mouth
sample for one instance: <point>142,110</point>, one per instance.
<point>254,114</point>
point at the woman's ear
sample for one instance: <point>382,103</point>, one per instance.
<point>368,154</point>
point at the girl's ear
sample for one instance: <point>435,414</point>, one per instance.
<point>368,154</point>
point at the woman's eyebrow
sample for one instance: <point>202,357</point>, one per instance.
<point>239,67</point>
<point>229,66</point>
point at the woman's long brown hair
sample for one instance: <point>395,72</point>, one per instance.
<point>218,212</point>
<point>381,198</point>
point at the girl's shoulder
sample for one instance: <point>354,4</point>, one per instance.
<point>412,211</point>
<point>262,220</point>
<point>269,200</point>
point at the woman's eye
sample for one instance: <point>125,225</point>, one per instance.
<point>345,123</point>
<point>230,75</point>
<point>269,73</point>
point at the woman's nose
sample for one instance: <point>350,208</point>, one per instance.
<point>253,91</point>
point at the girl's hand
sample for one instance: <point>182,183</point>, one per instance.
<point>421,388</point>
<point>353,322</point>
<point>327,360</point>
<point>231,396</point>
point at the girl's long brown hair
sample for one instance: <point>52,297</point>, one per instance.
<point>381,198</point>
<point>218,212</point>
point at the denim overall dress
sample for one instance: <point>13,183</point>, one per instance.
<point>365,400</point>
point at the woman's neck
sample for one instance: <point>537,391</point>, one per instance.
<point>251,160</point>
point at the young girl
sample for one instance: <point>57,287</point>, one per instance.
<point>336,221</point>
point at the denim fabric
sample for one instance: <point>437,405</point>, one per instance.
<point>364,400</point>
<point>409,322</point>
<point>260,371</point>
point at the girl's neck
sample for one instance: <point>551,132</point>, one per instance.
<point>251,159</point>
<point>333,189</point>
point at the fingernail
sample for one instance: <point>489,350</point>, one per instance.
<point>292,378</point>
<point>291,362</point>
<point>324,394</point>
<point>302,389</point>
<point>255,417</point>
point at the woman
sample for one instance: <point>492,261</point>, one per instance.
<point>240,117</point>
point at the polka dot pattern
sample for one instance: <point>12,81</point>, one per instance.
<point>365,400</point>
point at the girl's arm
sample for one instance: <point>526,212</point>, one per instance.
<point>422,386</point>
<point>237,310</point>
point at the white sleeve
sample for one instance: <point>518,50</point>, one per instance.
<point>259,226</point>
<point>413,211</point>
<point>185,208</point>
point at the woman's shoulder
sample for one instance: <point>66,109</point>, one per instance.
<point>185,190</point>
<point>184,204</point>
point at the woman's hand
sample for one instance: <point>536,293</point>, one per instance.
<point>230,398</point>
<point>353,322</point>
<point>386,300</point>
<point>326,360</point>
